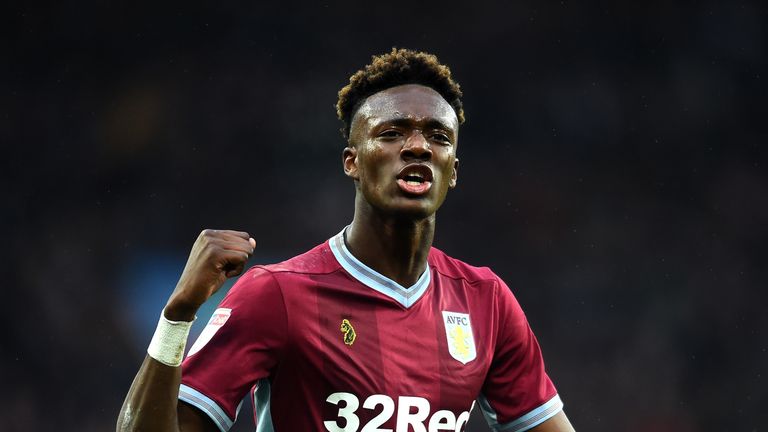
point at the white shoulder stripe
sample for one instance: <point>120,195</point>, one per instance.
<point>207,405</point>
<point>527,421</point>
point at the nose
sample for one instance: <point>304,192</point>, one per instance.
<point>416,147</point>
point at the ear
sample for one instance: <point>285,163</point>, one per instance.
<point>349,160</point>
<point>454,174</point>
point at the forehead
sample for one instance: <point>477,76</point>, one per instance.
<point>410,101</point>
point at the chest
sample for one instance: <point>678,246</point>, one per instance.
<point>361,343</point>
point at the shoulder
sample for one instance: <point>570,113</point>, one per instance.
<point>265,279</point>
<point>318,260</point>
<point>482,278</point>
<point>456,269</point>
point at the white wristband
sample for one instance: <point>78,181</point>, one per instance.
<point>170,339</point>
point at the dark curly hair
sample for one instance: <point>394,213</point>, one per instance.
<point>398,67</point>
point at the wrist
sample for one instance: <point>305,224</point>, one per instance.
<point>168,342</point>
<point>176,310</point>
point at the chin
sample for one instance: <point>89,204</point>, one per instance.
<point>412,209</point>
<point>403,207</point>
<point>413,214</point>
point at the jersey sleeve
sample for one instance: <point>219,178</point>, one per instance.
<point>517,394</point>
<point>241,344</point>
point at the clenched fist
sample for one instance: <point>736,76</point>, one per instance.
<point>215,256</point>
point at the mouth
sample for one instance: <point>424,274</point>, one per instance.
<point>415,179</point>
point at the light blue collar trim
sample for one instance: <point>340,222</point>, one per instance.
<point>371,278</point>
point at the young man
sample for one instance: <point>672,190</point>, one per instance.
<point>373,330</point>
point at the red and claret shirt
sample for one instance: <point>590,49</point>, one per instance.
<point>323,342</point>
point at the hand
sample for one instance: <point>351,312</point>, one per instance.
<point>215,256</point>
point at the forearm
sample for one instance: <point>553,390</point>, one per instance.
<point>151,403</point>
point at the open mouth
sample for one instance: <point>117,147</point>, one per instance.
<point>415,179</point>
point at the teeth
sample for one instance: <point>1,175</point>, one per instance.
<point>414,177</point>
<point>413,183</point>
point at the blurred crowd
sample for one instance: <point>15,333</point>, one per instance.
<point>612,173</point>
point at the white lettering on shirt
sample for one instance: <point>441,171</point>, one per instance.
<point>412,413</point>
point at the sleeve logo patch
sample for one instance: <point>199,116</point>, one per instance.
<point>458,331</point>
<point>219,317</point>
<point>349,332</point>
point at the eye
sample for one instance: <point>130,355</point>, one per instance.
<point>390,134</point>
<point>440,137</point>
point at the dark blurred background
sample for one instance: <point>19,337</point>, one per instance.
<point>613,172</point>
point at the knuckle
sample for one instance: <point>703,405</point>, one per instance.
<point>210,250</point>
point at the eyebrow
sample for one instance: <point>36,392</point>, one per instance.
<point>431,123</point>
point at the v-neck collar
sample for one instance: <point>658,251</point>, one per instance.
<point>373,279</point>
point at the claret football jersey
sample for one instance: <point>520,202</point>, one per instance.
<point>322,342</point>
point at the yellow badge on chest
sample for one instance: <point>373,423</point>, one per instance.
<point>458,331</point>
<point>349,332</point>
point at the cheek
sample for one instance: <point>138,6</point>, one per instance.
<point>449,162</point>
<point>446,172</point>
<point>372,158</point>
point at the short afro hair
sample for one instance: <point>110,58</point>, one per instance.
<point>398,67</point>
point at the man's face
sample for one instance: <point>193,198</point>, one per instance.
<point>402,151</point>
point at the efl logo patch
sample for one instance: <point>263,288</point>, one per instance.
<point>458,330</point>
<point>219,317</point>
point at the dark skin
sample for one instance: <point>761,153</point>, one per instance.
<point>392,229</point>
<point>152,402</point>
<point>396,134</point>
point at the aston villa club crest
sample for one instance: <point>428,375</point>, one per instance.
<point>458,330</point>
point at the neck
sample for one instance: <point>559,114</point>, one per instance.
<point>395,247</point>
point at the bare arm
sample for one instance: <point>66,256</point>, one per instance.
<point>152,402</point>
<point>557,423</point>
